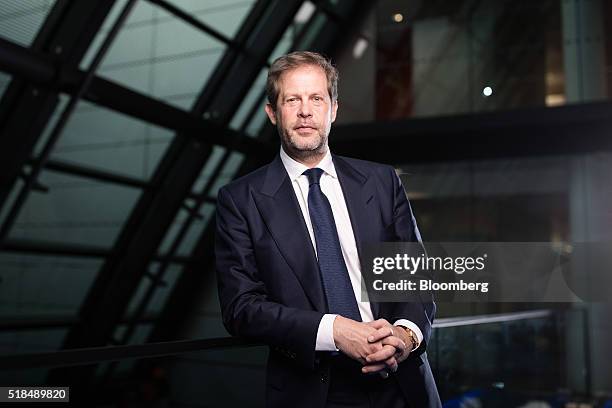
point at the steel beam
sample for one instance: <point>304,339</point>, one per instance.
<point>46,74</point>
<point>540,131</point>
<point>87,251</point>
<point>46,322</point>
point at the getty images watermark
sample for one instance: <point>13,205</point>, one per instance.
<point>487,271</point>
<point>412,264</point>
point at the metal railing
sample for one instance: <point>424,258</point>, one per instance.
<point>94,355</point>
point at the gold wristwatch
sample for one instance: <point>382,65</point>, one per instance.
<point>413,338</point>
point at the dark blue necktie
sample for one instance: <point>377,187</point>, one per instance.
<point>336,283</point>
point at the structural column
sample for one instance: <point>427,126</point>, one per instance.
<point>583,50</point>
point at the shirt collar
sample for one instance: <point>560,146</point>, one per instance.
<point>295,168</point>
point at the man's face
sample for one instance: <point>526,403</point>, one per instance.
<point>304,112</point>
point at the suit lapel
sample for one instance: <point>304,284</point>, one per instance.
<point>281,212</point>
<point>359,193</point>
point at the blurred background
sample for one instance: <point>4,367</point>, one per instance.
<point>120,120</point>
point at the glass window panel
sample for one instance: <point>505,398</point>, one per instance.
<point>207,303</point>
<point>205,326</point>
<point>184,380</point>
<point>301,19</point>
<point>228,173</point>
<point>173,230</point>
<point>158,300</point>
<point>31,341</point>
<point>304,13</point>
<point>288,39</point>
<point>539,363</point>
<point>343,7</point>
<point>255,125</point>
<point>138,337</point>
<point>320,20</point>
<point>208,169</point>
<point>285,42</point>
<point>33,376</point>
<point>6,205</point>
<point>38,285</point>
<point>21,20</point>
<point>160,55</point>
<point>5,79</point>
<point>252,97</point>
<point>74,210</point>
<point>246,367</point>
<point>193,233</point>
<point>183,74</point>
<point>111,141</point>
<point>138,16</point>
<point>206,321</point>
<point>224,16</point>
<point>42,140</point>
<point>196,229</point>
<point>182,101</point>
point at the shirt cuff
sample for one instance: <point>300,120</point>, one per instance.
<point>412,326</point>
<point>325,334</point>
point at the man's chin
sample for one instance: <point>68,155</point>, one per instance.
<point>307,150</point>
<point>303,146</point>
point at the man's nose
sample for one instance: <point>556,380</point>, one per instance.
<point>305,110</point>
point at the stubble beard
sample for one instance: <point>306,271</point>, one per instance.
<point>300,151</point>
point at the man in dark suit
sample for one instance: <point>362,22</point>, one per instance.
<point>288,239</point>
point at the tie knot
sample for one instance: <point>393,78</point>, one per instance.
<point>314,175</point>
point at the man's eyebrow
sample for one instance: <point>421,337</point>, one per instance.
<point>292,94</point>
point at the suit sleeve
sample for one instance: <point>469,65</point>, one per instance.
<point>406,230</point>
<point>245,307</point>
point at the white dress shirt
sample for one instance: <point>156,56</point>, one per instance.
<point>330,186</point>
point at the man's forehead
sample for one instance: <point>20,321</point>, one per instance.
<point>311,74</point>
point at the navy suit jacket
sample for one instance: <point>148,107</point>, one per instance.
<point>269,284</point>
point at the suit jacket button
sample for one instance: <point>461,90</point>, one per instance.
<point>323,378</point>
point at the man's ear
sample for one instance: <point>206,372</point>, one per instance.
<point>271,113</point>
<point>334,110</point>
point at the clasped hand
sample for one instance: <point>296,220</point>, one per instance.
<point>378,345</point>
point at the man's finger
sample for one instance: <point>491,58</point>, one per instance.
<point>372,368</point>
<point>377,324</point>
<point>386,352</point>
<point>381,334</point>
<point>396,342</point>
<point>392,363</point>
